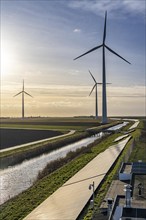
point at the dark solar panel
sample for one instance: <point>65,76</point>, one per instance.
<point>133,212</point>
<point>139,168</point>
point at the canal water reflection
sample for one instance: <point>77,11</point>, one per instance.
<point>117,127</point>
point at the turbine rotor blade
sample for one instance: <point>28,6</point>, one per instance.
<point>18,93</point>
<point>95,48</point>
<point>28,94</point>
<point>23,85</point>
<point>104,33</point>
<point>92,77</point>
<point>116,54</point>
<point>93,89</point>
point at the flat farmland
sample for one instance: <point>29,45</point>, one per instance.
<point>13,137</point>
<point>17,131</point>
<point>57,123</point>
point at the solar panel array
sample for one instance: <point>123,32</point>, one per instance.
<point>130,213</point>
<point>139,168</point>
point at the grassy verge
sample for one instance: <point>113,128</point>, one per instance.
<point>18,207</point>
<point>139,152</point>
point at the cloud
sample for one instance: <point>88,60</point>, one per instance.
<point>100,6</point>
<point>135,5</point>
<point>74,72</point>
<point>69,100</point>
<point>77,30</point>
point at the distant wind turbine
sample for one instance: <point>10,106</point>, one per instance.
<point>23,92</point>
<point>103,45</point>
<point>96,96</point>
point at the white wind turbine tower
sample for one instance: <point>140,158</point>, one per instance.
<point>23,92</point>
<point>103,45</point>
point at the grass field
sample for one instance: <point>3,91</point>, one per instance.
<point>51,123</point>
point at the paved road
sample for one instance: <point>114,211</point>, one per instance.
<point>120,137</point>
<point>68,201</point>
<point>135,124</point>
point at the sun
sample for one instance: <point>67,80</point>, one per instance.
<point>8,59</point>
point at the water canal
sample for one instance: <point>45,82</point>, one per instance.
<point>117,127</point>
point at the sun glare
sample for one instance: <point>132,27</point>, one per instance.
<point>8,59</point>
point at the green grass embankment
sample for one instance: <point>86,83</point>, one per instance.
<point>18,207</point>
<point>139,152</point>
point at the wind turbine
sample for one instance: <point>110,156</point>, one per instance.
<point>103,45</point>
<point>23,92</point>
<point>96,97</point>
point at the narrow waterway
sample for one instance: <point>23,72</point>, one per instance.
<point>16,179</point>
<point>117,127</point>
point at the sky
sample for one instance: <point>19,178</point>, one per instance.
<point>40,39</point>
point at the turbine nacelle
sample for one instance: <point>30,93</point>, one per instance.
<point>23,92</point>
<point>103,44</point>
<point>96,83</point>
